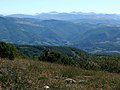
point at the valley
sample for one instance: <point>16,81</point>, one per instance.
<point>98,35</point>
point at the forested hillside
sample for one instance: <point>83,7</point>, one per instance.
<point>99,35</point>
<point>62,55</point>
<point>37,67</point>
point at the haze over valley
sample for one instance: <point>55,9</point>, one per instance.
<point>94,33</point>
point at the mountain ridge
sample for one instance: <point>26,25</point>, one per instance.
<point>67,16</point>
<point>92,35</point>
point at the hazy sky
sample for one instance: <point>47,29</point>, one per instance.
<point>38,6</point>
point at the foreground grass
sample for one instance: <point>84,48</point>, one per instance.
<point>34,75</point>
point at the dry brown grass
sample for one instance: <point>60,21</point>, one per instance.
<point>37,74</point>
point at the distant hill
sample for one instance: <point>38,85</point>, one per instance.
<point>21,16</point>
<point>23,32</point>
<point>68,16</point>
<point>94,33</point>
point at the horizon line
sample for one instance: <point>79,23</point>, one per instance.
<point>56,12</point>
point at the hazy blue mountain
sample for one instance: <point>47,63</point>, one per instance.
<point>21,16</point>
<point>102,39</point>
<point>68,16</point>
<point>23,32</point>
<point>63,29</point>
<point>97,33</point>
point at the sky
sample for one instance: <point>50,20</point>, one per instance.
<point>39,6</point>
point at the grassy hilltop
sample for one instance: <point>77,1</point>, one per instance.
<point>23,74</point>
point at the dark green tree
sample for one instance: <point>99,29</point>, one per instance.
<point>7,51</point>
<point>51,56</point>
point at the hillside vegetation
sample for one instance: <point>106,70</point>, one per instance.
<point>22,74</point>
<point>68,55</point>
<point>62,55</point>
<point>26,67</point>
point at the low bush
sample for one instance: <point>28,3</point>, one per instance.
<point>51,56</point>
<point>7,51</point>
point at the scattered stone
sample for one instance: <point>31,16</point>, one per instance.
<point>46,87</point>
<point>30,81</point>
<point>70,81</point>
<point>68,85</point>
<point>88,76</point>
<point>56,77</point>
<point>82,81</point>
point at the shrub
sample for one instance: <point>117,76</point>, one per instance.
<point>111,65</point>
<point>89,65</point>
<point>7,51</point>
<point>51,56</point>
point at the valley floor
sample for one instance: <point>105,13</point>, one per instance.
<point>23,74</point>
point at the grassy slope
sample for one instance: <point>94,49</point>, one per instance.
<point>33,75</point>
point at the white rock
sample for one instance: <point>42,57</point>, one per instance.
<point>70,80</point>
<point>46,87</point>
<point>82,81</point>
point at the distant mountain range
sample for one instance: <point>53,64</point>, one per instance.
<point>68,16</point>
<point>95,33</point>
